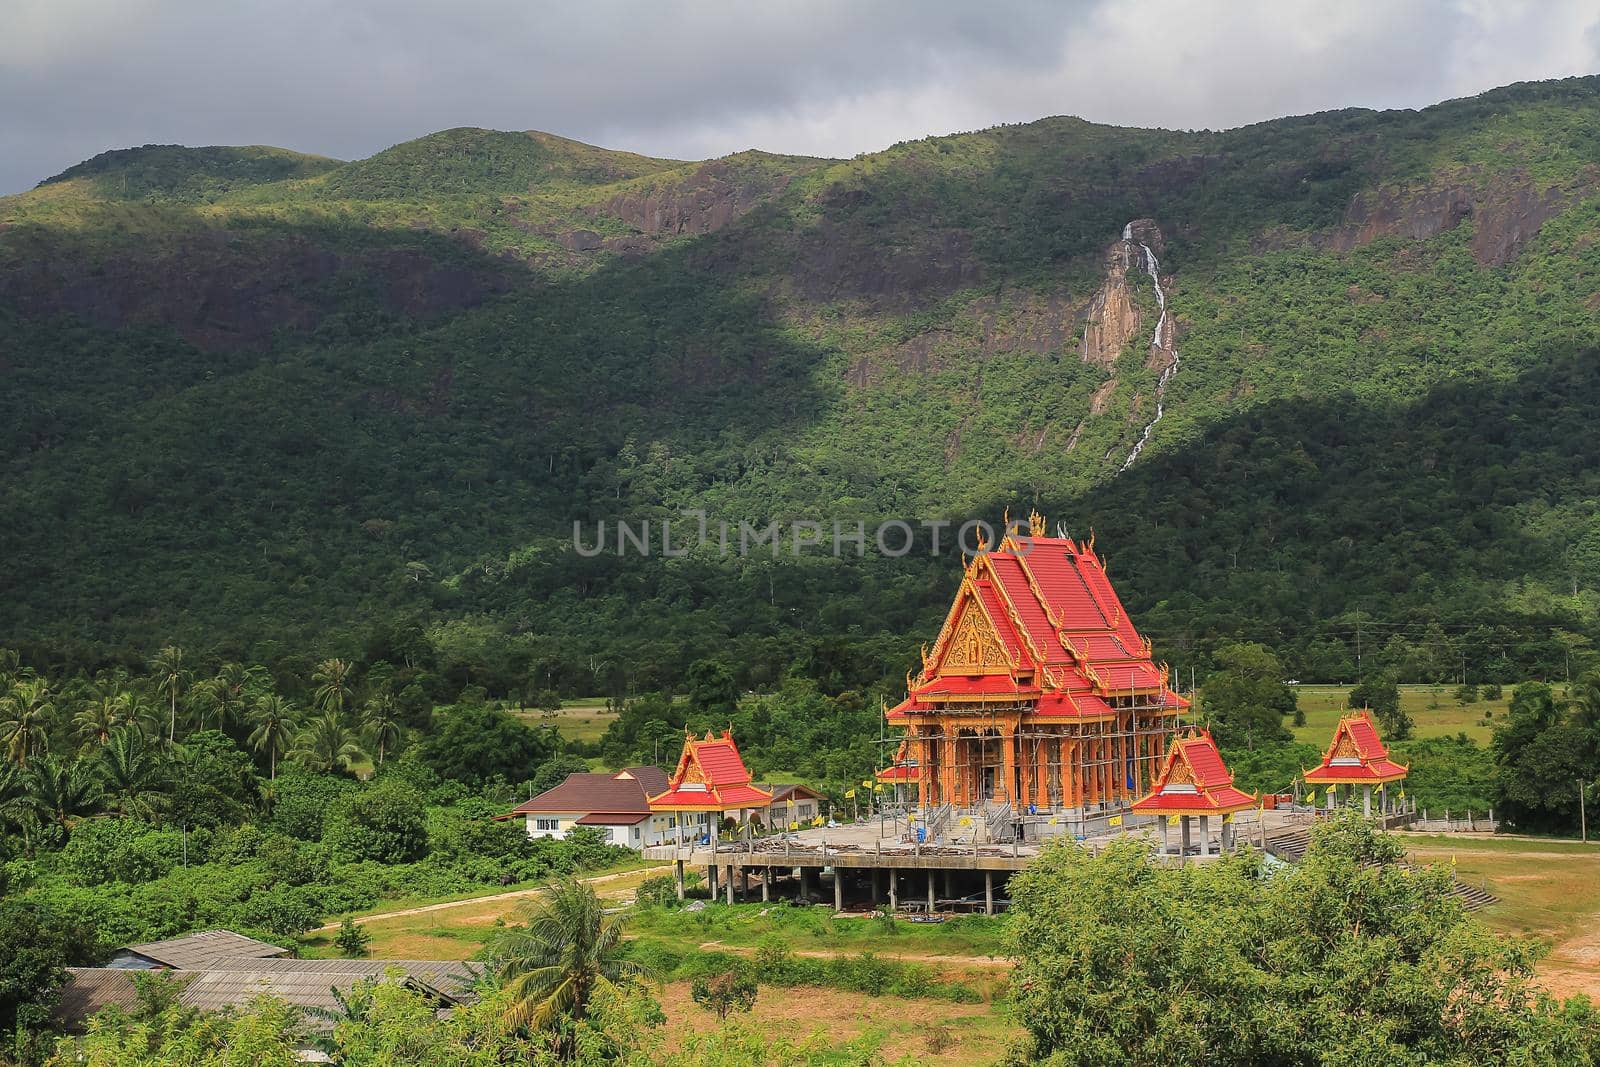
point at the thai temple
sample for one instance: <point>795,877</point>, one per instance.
<point>1039,693</point>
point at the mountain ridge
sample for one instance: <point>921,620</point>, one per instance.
<point>469,347</point>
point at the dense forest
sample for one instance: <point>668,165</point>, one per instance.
<point>276,408</point>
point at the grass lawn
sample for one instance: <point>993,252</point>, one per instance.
<point>910,1031</point>
<point>1323,704</point>
<point>1549,889</point>
<point>578,720</point>
<point>456,932</point>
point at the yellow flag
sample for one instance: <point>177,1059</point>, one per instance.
<point>818,821</point>
<point>1311,797</point>
<point>1172,820</point>
<point>1052,820</point>
<point>911,818</point>
<point>1228,817</point>
<point>794,826</point>
<point>877,785</point>
<point>866,781</point>
<point>1115,820</point>
<point>1402,794</point>
<point>966,821</point>
<point>849,794</point>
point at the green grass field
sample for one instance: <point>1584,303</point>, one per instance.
<point>584,719</point>
<point>1323,704</point>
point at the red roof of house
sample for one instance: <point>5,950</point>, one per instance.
<point>1356,755</point>
<point>623,792</point>
<point>1194,781</point>
<point>710,776</point>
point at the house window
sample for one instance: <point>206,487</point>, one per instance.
<point>805,811</point>
<point>636,833</point>
<point>547,824</point>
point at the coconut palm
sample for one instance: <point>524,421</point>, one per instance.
<point>1583,699</point>
<point>172,681</point>
<point>130,774</point>
<point>100,718</point>
<point>333,686</point>
<point>380,716</point>
<point>25,719</point>
<point>566,951</point>
<point>325,744</point>
<point>275,720</point>
<point>228,694</point>
<point>60,794</point>
<point>13,791</point>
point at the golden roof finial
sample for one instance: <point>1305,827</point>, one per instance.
<point>1035,523</point>
<point>983,541</point>
<point>1090,546</point>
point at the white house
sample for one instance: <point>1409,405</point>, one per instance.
<point>614,803</point>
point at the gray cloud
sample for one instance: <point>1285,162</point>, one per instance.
<point>696,78</point>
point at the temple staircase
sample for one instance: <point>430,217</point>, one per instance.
<point>1290,846</point>
<point>1000,820</point>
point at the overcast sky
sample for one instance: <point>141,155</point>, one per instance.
<point>688,79</point>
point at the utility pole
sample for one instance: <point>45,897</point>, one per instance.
<point>1583,819</point>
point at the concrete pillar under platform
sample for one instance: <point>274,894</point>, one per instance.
<point>930,892</point>
<point>711,880</point>
<point>678,874</point>
<point>838,889</point>
<point>730,883</point>
<point>874,887</point>
<point>766,885</point>
<point>894,890</point>
<point>800,893</point>
<point>988,892</point>
<point>744,883</point>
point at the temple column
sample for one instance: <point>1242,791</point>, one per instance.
<point>1205,835</point>
<point>1183,835</point>
<point>919,749</point>
<point>1041,773</point>
<point>1164,846</point>
<point>1008,767</point>
<point>947,769</point>
<point>1366,800</point>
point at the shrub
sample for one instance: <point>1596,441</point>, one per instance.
<point>383,823</point>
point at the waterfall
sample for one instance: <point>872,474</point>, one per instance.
<point>1152,268</point>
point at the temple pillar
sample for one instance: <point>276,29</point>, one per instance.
<point>1205,835</point>
<point>1366,800</point>
<point>1008,768</point>
<point>1041,773</point>
<point>919,749</point>
<point>1024,772</point>
<point>1164,846</point>
<point>947,768</point>
<point>1183,835</point>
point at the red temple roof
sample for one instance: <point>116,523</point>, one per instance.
<point>710,776</point>
<point>903,769</point>
<point>1356,755</point>
<point>1194,781</point>
<point>1037,621</point>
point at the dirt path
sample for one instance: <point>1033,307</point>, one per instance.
<point>466,901</point>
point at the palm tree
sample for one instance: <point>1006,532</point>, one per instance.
<point>25,718</point>
<point>101,717</point>
<point>380,717</point>
<point>1583,698</point>
<point>275,720</point>
<point>567,950</point>
<point>131,775</point>
<point>61,794</point>
<point>333,685</point>
<point>325,744</point>
<point>13,790</point>
<point>228,693</point>
<point>171,681</point>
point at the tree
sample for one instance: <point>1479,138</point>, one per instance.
<point>1542,750</point>
<point>326,745</point>
<point>382,823</point>
<point>381,719</point>
<point>228,694</point>
<point>1246,701</point>
<point>711,685</point>
<point>97,720</point>
<point>275,722</point>
<point>730,991</point>
<point>27,711</point>
<point>172,681</point>
<point>131,775</point>
<point>1381,695</point>
<point>567,951</point>
<point>473,745</point>
<point>352,939</point>
<point>34,949</point>
<point>332,677</point>
<point>553,771</point>
<point>1348,955</point>
<point>59,794</point>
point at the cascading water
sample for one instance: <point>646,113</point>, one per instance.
<point>1153,268</point>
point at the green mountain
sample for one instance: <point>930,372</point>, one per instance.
<point>260,402</point>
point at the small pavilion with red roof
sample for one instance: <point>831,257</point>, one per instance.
<point>1195,783</point>
<point>1039,692</point>
<point>710,777</point>
<point>1357,756</point>
<point>901,774</point>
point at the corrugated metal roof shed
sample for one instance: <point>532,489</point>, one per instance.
<point>196,951</point>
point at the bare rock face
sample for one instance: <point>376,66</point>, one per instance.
<point>1112,319</point>
<point>714,196</point>
<point>1506,213</point>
